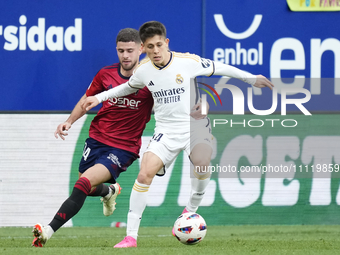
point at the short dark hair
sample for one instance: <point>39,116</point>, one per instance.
<point>150,29</point>
<point>128,35</point>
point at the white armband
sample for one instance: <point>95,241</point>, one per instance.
<point>227,70</point>
<point>119,91</point>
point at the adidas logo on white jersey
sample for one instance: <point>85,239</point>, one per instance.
<point>151,84</point>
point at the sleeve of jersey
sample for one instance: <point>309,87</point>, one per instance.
<point>119,91</point>
<point>95,86</point>
<point>227,70</point>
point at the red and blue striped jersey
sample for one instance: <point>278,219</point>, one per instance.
<point>120,121</point>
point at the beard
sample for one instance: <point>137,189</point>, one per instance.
<point>128,67</point>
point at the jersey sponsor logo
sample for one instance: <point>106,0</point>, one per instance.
<point>179,79</point>
<point>205,62</point>
<point>168,92</point>
<point>124,102</point>
<point>168,95</point>
<point>151,84</point>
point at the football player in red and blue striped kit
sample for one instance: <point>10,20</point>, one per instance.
<point>114,136</point>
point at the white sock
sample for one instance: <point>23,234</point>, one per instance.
<point>49,231</point>
<point>138,199</point>
<point>198,188</point>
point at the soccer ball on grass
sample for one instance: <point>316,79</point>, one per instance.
<point>190,228</point>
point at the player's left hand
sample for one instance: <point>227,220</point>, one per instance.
<point>262,82</point>
<point>89,103</point>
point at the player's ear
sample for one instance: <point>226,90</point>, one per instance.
<point>167,40</point>
<point>141,49</point>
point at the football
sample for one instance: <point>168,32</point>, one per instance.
<point>190,228</point>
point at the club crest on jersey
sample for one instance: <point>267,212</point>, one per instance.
<point>179,79</point>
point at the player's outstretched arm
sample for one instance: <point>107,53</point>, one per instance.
<point>76,113</point>
<point>258,81</point>
<point>119,91</point>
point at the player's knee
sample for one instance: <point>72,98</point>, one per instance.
<point>201,164</point>
<point>144,178</point>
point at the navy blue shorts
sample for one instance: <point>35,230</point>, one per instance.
<point>114,159</point>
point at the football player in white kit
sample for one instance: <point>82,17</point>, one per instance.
<point>169,76</point>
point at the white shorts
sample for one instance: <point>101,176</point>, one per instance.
<point>167,146</point>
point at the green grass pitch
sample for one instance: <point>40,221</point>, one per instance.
<point>318,239</point>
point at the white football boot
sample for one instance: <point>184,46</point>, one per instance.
<point>109,204</point>
<point>40,235</point>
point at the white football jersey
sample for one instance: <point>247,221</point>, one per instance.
<point>173,88</point>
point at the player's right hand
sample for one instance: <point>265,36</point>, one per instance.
<point>262,82</point>
<point>89,103</point>
<point>61,130</point>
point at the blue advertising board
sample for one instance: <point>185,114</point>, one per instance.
<point>266,37</point>
<point>51,50</point>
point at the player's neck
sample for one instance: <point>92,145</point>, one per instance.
<point>166,59</point>
<point>125,72</point>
